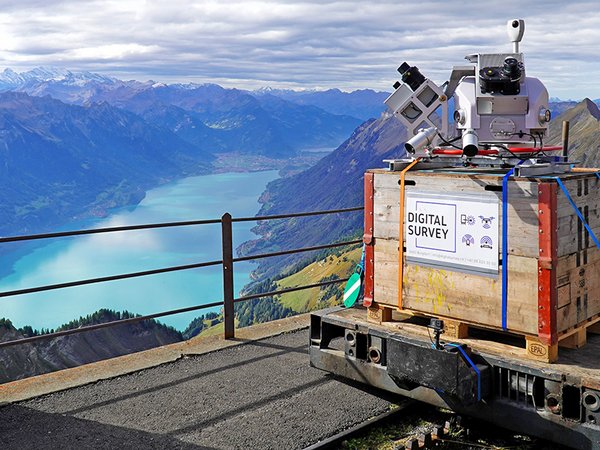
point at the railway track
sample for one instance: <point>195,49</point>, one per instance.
<point>416,426</point>
<point>336,440</point>
<point>421,440</point>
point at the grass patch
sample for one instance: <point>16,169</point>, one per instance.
<point>306,300</point>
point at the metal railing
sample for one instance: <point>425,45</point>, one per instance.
<point>227,262</point>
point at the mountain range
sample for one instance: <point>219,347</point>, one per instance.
<point>87,87</point>
<point>74,144</point>
<point>216,118</point>
<point>365,103</point>
<point>58,161</point>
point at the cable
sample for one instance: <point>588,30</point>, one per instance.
<point>504,147</point>
<point>449,143</point>
<point>430,339</point>
<point>522,133</point>
<point>541,150</point>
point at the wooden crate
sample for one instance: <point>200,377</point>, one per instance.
<point>553,282</point>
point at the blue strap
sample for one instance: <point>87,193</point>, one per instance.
<point>597,174</point>
<point>505,247</point>
<point>585,224</point>
<point>360,267</point>
<point>472,364</point>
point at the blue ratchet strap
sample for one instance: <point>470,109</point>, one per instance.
<point>597,174</point>
<point>360,267</point>
<point>505,247</point>
<point>470,361</point>
<point>361,264</point>
<point>585,224</point>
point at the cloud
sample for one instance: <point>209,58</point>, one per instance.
<point>346,44</point>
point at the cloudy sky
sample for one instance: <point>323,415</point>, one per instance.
<point>300,44</point>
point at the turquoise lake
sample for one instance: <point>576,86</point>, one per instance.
<point>69,259</point>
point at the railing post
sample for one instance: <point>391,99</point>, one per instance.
<point>228,314</point>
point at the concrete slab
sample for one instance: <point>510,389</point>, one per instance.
<point>262,394</point>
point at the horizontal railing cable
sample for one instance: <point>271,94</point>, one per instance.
<point>130,275</point>
<point>59,234</point>
<point>32,237</point>
<point>113,323</point>
<point>291,289</point>
<point>51,287</point>
<point>298,250</point>
<point>291,215</point>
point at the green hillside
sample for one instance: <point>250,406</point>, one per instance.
<point>328,268</point>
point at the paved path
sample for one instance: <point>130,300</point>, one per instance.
<point>262,394</point>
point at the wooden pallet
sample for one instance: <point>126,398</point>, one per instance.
<point>553,267</point>
<point>533,349</point>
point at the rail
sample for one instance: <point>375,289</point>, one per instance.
<point>227,263</point>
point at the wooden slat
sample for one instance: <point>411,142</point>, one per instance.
<point>462,296</point>
<point>368,239</point>
<point>585,192</point>
<point>581,292</point>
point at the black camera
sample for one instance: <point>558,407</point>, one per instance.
<point>411,76</point>
<point>503,80</point>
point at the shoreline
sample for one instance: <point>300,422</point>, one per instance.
<point>27,263</point>
<point>224,163</point>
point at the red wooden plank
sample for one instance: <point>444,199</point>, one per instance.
<point>547,292</point>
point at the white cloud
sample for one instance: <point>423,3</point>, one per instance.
<point>347,44</point>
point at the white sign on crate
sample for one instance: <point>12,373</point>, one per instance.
<point>455,231</point>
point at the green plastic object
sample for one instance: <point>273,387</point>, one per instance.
<point>352,290</point>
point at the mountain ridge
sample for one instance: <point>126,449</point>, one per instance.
<point>238,120</point>
<point>584,133</point>
<point>58,123</point>
<point>27,360</point>
<point>60,161</point>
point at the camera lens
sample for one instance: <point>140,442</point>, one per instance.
<point>403,68</point>
<point>511,68</point>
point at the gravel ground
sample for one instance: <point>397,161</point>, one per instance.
<point>259,395</point>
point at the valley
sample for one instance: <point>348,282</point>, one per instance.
<point>82,150</point>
